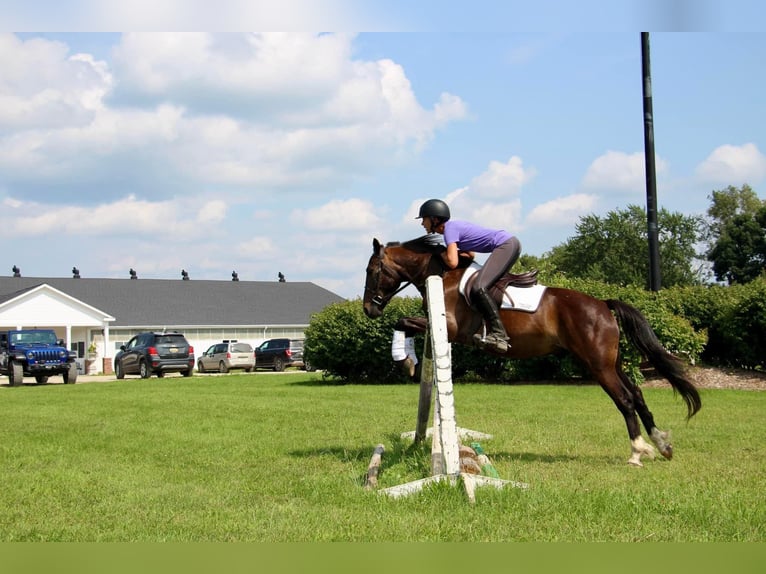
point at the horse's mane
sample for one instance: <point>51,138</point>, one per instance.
<point>431,243</point>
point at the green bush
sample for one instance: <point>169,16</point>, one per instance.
<point>733,317</point>
<point>741,328</point>
<point>346,344</point>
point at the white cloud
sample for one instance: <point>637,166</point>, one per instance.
<point>212,212</point>
<point>131,215</point>
<point>43,87</point>
<point>734,165</point>
<point>502,179</point>
<point>259,246</point>
<point>617,171</point>
<point>500,215</point>
<point>271,110</point>
<point>562,210</point>
<point>349,214</point>
<point>490,199</point>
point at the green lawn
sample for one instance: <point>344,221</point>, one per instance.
<point>283,458</point>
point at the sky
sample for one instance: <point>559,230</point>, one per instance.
<point>266,152</point>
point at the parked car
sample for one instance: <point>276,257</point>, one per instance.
<point>278,354</point>
<point>155,353</point>
<point>226,356</point>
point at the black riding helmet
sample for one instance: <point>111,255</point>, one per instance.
<point>434,208</point>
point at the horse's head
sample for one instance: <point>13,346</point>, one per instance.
<point>393,265</point>
<point>380,284</point>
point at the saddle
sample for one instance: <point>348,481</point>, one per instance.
<point>512,290</point>
<point>521,280</point>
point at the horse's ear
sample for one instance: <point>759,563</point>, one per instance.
<point>376,246</point>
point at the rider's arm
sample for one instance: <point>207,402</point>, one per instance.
<point>451,255</point>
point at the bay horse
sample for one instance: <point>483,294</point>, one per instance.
<point>587,327</point>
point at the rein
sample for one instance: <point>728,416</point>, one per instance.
<point>380,301</point>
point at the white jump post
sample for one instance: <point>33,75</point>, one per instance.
<point>445,441</point>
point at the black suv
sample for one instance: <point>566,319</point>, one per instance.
<point>155,353</point>
<point>280,353</point>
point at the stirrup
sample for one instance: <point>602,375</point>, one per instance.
<point>493,342</point>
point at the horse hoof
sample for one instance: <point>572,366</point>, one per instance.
<point>407,366</point>
<point>667,452</point>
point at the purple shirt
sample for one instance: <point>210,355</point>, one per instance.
<point>472,237</point>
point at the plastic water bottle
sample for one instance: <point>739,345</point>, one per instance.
<point>486,465</point>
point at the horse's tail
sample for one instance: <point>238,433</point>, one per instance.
<point>640,333</point>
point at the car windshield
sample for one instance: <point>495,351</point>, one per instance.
<point>34,338</point>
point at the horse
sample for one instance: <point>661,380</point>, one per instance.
<point>566,319</point>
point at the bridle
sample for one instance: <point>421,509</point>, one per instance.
<point>382,301</point>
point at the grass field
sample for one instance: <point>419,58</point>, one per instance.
<point>283,458</point>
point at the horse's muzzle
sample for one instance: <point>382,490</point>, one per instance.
<point>372,310</point>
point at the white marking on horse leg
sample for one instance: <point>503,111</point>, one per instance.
<point>639,447</point>
<point>661,439</point>
<point>398,346</point>
<point>409,347</point>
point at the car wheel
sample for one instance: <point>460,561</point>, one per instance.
<point>70,376</point>
<point>187,373</point>
<point>41,379</point>
<point>16,374</point>
<point>279,364</point>
<point>143,369</point>
<point>160,374</point>
<point>249,370</point>
<point>200,368</point>
<point>222,368</point>
<point>118,370</point>
<point>307,366</point>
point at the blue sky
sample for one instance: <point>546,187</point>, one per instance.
<point>263,152</point>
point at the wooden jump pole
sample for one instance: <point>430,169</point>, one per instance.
<point>445,442</point>
<point>374,468</point>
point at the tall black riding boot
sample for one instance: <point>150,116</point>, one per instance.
<point>497,339</point>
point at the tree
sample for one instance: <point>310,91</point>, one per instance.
<point>614,249</point>
<point>736,234</point>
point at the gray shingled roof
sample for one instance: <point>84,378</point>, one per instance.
<point>152,302</point>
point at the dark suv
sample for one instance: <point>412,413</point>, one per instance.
<point>36,353</point>
<point>155,353</point>
<point>280,353</point>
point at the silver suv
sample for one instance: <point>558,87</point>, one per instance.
<point>227,356</point>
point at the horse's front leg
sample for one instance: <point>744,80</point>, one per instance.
<point>403,344</point>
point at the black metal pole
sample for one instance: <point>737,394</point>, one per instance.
<point>651,177</point>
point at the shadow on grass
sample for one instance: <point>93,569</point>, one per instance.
<point>319,382</point>
<point>534,457</point>
<point>415,458</point>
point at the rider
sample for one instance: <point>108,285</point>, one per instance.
<point>463,239</point>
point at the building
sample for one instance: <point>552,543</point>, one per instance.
<point>96,316</point>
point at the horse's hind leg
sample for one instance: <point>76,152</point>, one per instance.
<point>661,439</point>
<point>623,398</point>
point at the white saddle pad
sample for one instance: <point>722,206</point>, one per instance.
<point>519,298</point>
